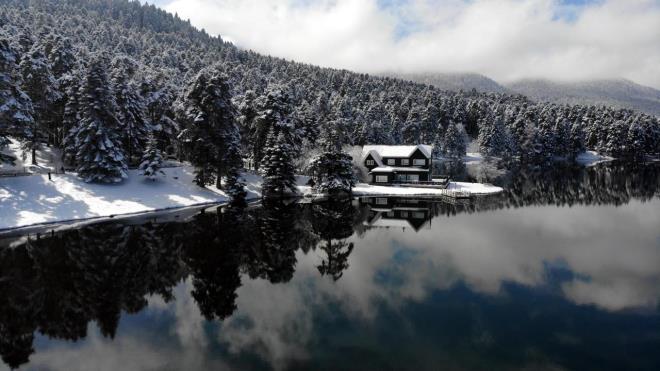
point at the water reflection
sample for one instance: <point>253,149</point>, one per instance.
<point>290,285</point>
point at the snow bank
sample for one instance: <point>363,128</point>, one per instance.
<point>453,189</point>
<point>31,200</point>
<point>474,188</point>
<point>590,158</point>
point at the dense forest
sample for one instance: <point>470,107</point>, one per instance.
<point>117,84</point>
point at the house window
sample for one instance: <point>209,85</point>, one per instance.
<point>401,177</point>
<point>404,214</point>
<point>370,162</point>
<point>419,162</point>
<point>405,162</point>
<point>418,215</point>
<point>391,161</point>
<point>381,201</point>
<point>390,214</point>
<point>381,178</point>
<point>413,177</point>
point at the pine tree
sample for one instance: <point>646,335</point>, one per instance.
<point>576,141</point>
<point>635,142</point>
<point>615,142</point>
<point>454,141</point>
<point>99,157</point>
<point>16,113</point>
<point>70,120</point>
<point>212,127</point>
<point>131,113</point>
<point>152,160</point>
<point>234,184</point>
<point>493,139</point>
<point>273,113</point>
<point>562,143</point>
<point>39,83</point>
<point>333,171</point>
<point>277,166</point>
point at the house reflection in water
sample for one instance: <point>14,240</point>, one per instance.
<point>398,212</point>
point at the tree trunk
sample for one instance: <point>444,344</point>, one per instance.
<point>34,155</point>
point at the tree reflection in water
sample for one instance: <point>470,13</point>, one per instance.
<point>58,283</point>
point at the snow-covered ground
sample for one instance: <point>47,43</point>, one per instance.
<point>28,200</point>
<point>363,189</point>
<point>474,188</point>
<point>473,158</point>
<point>590,158</point>
<point>48,159</point>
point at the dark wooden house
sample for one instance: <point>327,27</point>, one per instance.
<point>392,164</point>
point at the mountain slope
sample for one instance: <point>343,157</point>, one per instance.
<point>618,93</point>
<point>456,81</point>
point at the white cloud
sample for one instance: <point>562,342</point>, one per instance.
<point>504,39</point>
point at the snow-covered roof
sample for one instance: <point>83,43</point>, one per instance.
<point>381,222</point>
<point>379,151</point>
<point>384,222</point>
<point>393,169</point>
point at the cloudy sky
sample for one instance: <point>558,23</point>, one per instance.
<point>503,39</point>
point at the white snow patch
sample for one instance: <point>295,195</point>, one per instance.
<point>48,159</point>
<point>474,188</point>
<point>362,189</point>
<point>28,200</point>
<point>473,158</point>
<point>590,158</point>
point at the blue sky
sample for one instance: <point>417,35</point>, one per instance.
<point>504,39</point>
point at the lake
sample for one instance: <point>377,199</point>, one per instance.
<point>561,272</point>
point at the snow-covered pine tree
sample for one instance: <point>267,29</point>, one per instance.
<point>131,113</point>
<point>212,129</point>
<point>412,127</point>
<point>493,139</point>
<point>40,85</point>
<point>99,157</point>
<point>159,96</point>
<point>152,160</point>
<point>70,120</point>
<point>454,141</point>
<point>531,148</point>
<point>16,113</point>
<point>234,183</point>
<point>247,113</point>
<point>332,170</point>
<point>277,166</point>
<point>635,147</point>
<point>562,142</point>
<point>617,135</point>
<point>273,111</point>
<point>576,141</point>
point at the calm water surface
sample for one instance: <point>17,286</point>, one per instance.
<point>562,272</point>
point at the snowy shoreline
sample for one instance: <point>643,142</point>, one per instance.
<point>29,201</point>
